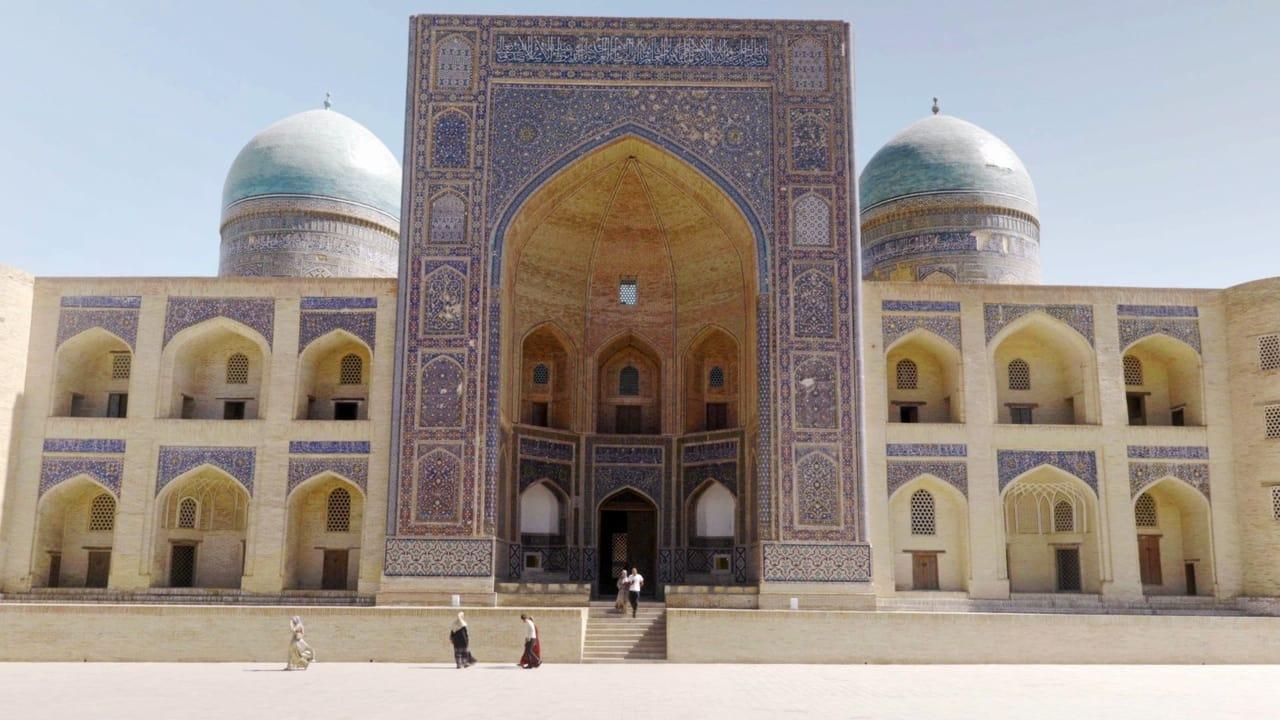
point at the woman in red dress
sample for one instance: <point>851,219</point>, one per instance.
<point>532,656</point>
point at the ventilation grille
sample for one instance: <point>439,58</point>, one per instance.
<point>1269,352</point>
<point>1144,511</point>
<point>338,518</point>
<point>1019,375</point>
<point>923,517</point>
<point>1132,371</point>
<point>1064,517</point>
<point>102,513</point>
<point>237,369</point>
<point>351,370</point>
<point>908,375</point>
<point>121,366</point>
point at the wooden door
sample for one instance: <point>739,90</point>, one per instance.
<point>1068,567</point>
<point>55,569</point>
<point>99,568</point>
<point>335,570</point>
<point>1149,559</point>
<point>182,566</point>
<point>924,571</point>
<point>1191,578</point>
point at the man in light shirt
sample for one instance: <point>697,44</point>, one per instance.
<point>635,581</point>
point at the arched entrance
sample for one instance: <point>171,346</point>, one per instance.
<point>628,537</point>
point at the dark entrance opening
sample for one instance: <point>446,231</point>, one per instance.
<point>182,566</point>
<point>334,576</point>
<point>628,537</point>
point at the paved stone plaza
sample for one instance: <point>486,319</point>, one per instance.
<point>341,690</point>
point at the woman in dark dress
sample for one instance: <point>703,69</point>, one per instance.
<point>461,643</point>
<point>532,656</point>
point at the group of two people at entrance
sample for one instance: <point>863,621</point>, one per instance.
<point>629,585</point>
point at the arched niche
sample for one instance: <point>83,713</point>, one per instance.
<point>75,533</point>
<point>91,376</point>
<point>1175,539</point>
<point>923,377</point>
<point>1051,532</point>
<point>930,525</point>
<point>201,522</point>
<point>710,382</point>
<point>333,378</point>
<point>626,213</point>
<point>542,515</point>
<point>201,374</point>
<point>1171,387</point>
<point>325,519</point>
<point>548,379</point>
<point>713,509</point>
<point>629,389</point>
<point>1061,387</point>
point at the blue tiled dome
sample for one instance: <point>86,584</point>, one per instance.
<point>318,153</point>
<point>945,154</point>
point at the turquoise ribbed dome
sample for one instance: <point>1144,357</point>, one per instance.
<point>317,153</point>
<point>944,154</point>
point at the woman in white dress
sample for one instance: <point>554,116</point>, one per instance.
<point>620,604</point>
<point>300,653</point>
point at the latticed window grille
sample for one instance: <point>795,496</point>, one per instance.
<point>629,381</point>
<point>541,374</point>
<point>237,369</point>
<point>1273,421</point>
<point>102,513</point>
<point>351,370</point>
<point>1064,517</point>
<point>121,366</point>
<point>908,375</point>
<point>1019,375</point>
<point>338,518</point>
<point>1132,370</point>
<point>716,378</point>
<point>187,513</point>
<point>627,291</point>
<point>923,514</point>
<point>1269,352</point>
<point>1144,511</point>
<point>1275,502</point>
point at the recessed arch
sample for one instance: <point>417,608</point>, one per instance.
<point>70,550</point>
<point>317,554</point>
<point>1043,555</point>
<point>1171,391</point>
<point>87,378</point>
<point>214,552</point>
<point>625,359</point>
<point>553,403</point>
<point>193,383</point>
<point>938,396</point>
<point>937,561</point>
<point>321,392</point>
<point>1062,367</point>
<point>710,391</point>
<point>1176,554</point>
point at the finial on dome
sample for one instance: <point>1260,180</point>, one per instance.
<point>328,101</point>
<point>935,106</point>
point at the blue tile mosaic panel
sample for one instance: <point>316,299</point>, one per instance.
<point>303,469</point>
<point>174,461</point>
<point>255,312</point>
<point>1011,464</point>
<point>329,447</point>
<point>1077,317</point>
<point>1143,475</point>
<point>901,472</point>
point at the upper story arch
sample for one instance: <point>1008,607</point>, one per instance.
<point>924,379</point>
<point>92,370</point>
<point>333,377</point>
<point>200,375</point>
<point>1044,372</point>
<point>1163,381</point>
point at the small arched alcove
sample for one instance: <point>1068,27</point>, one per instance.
<point>710,381</point>
<point>1163,382</point>
<point>200,531</point>
<point>91,376</point>
<point>629,388</point>
<point>930,521</point>
<point>1051,533</point>
<point>923,379</point>
<point>333,378</point>
<point>75,533</point>
<point>1175,540</point>
<point>214,371</point>
<point>325,520</point>
<point>1045,374</point>
<point>548,379</point>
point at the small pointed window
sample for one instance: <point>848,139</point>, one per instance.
<point>923,513</point>
<point>1019,375</point>
<point>187,513</point>
<point>628,294</point>
<point>238,369</point>
<point>541,374</point>
<point>338,518</point>
<point>1064,517</point>
<point>1132,371</point>
<point>715,379</point>
<point>908,375</point>
<point>102,513</point>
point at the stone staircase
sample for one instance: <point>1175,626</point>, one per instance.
<point>614,638</point>
<point>189,596</point>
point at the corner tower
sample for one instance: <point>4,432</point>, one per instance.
<point>946,201</point>
<point>313,195</point>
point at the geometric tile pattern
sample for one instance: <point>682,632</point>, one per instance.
<point>338,303</point>
<point>709,451</point>
<point>1077,317</point>
<point>1082,464</point>
<point>355,469</point>
<point>453,557</point>
<point>238,462</point>
<point>938,306</point>
<point>944,326</point>
<point>1134,329</point>
<point>812,562</point>
<point>117,315</point>
<point>329,447</point>
<point>77,445</point>
<point>183,312</point>
<point>1143,474</point>
<point>546,449</point>
<point>312,325</point>
<point>902,472</point>
<point>56,469</point>
<point>1174,452</point>
<point>925,450</point>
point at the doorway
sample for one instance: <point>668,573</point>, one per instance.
<point>924,571</point>
<point>1149,560</point>
<point>99,569</point>
<point>182,566</point>
<point>628,537</point>
<point>1068,566</point>
<point>335,570</point>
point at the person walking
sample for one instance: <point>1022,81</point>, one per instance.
<point>620,603</point>
<point>461,640</point>
<point>635,581</point>
<point>532,656</point>
<point>300,653</point>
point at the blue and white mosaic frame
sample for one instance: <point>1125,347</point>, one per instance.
<point>174,461</point>
<point>1012,464</point>
<point>997,316</point>
<point>1180,322</point>
<point>755,125</point>
<point>1143,475</point>
<point>257,313</point>
<point>116,314</point>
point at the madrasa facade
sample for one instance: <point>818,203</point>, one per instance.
<point>628,305</point>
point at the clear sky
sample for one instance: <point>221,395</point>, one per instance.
<point>1151,129</point>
